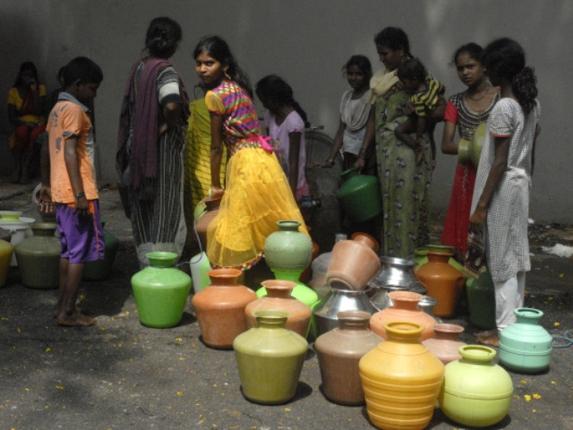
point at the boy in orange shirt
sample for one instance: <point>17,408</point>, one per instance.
<point>69,184</point>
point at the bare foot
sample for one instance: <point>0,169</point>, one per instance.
<point>488,339</point>
<point>76,319</point>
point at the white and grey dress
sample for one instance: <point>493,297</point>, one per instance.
<point>507,244</point>
<point>158,223</point>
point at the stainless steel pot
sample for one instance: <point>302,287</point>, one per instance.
<point>337,301</point>
<point>427,304</point>
<point>396,274</point>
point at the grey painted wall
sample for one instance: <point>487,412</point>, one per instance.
<point>307,42</point>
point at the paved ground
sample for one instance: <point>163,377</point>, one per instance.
<point>121,375</point>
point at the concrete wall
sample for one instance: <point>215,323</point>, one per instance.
<point>307,42</point>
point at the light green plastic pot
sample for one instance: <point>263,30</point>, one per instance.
<point>525,346</point>
<point>270,359</point>
<point>476,392</point>
<point>288,249</point>
<point>160,291</point>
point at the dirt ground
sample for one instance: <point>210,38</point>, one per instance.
<point>121,375</point>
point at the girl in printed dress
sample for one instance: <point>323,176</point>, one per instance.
<point>257,192</point>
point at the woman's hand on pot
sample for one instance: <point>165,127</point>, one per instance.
<point>479,216</point>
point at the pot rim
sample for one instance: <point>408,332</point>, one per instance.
<point>395,261</point>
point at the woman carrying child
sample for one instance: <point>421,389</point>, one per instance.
<point>500,205</point>
<point>257,192</point>
<point>404,183</point>
<point>465,112</point>
<point>354,111</point>
<point>286,120</point>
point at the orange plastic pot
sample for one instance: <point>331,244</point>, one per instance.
<point>279,298</point>
<point>202,224</point>
<point>366,239</point>
<point>352,265</point>
<point>443,282</point>
<point>404,308</point>
<point>401,379</point>
<point>220,308</point>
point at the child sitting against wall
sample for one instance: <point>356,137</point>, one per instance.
<point>426,105</point>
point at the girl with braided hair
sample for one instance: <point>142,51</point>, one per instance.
<point>500,205</point>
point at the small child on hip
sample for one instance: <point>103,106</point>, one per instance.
<point>69,184</point>
<point>426,105</point>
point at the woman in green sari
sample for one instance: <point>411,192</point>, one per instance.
<point>404,182</point>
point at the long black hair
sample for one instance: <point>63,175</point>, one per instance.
<point>363,64</point>
<point>505,58</point>
<point>26,66</point>
<point>217,48</point>
<point>393,38</point>
<point>162,37</point>
<point>474,50</point>
<point>276,90</point>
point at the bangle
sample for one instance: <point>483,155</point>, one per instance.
<point>80,195</point>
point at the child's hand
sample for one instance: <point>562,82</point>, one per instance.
<point>216,192</point>
<point>328,163</point>
<point>406,109</point>
<point>45,200</point>
<point>82,206</point>
<point>359,164</point>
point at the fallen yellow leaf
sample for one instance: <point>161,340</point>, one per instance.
<point>48,349</point>
<point>180,393</point>
<point>556,324</point>
<point>59,387</point>
<point>527,397</point>
<point>536,396</point>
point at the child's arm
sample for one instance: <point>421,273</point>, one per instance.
<point>368,139</point>
<point>293,157</point>
<point>337,145</point>
<point>73,168</point>
<point>403,131</point>
<point>421,124</point>
<point>45,194</point>
<point>494,177</point>
<point>216,153</point>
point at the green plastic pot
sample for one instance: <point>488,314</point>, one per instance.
<point>160,291</point>
<point>476,392</point>
<point>101,269</point>
<point>288,249</point>
<point>525,346</point>
<point>481,301</point>
<point>39,257</point>
<point>269,358</point>
<point>360,196</point>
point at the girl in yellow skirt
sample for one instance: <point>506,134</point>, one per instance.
<point>258,193</point>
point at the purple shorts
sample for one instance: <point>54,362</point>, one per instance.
<point>81,236</point>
